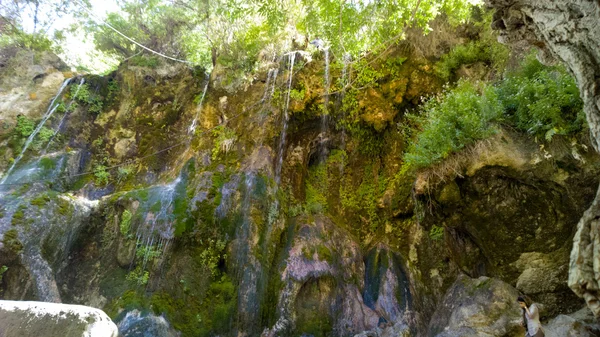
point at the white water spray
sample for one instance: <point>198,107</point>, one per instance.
<point>45,118</point>
<point>325,113</point>
<point>285,121</point>
<point>62,120</point>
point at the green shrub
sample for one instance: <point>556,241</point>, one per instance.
<point>25,126</point>
<point>82,94</point>
<point>543,101</point>
<point>42,138</point>
<point>448,123</point>
<point>138,276</point>
<point>484,49</point>
<point>101,175</point>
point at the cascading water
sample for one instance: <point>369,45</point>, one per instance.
<point>285,119</point>
<point>62,120</point>
<point>192,127</point>
<point>45,118</point>
<point>325,112</point>
<point>156,231</point>
<point>344,81</point>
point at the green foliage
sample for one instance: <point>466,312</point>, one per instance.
<point>212,254</point>
<point>83,95</point>
<point>543,101</point>
<point>224,140</point>
<point>138,276</point>
<point>484,49</point>
<point>297,95</point>
<point>316,189</point>
<point>124,172</point>
<point>363,199</point>
<point>3,270</point>
<point>101,175</point>
<point>147,252</point>
<point>42,138</point>
<point>24,127</point>
<point>47,163</point>
<point>125,224</point>
<point>452,121</point>
<point>436,233</point>
<point>145,61</point>
<point>113,90</point>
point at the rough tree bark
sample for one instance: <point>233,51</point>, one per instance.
<point>568,31</point>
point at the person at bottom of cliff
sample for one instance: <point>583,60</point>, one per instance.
<point>531,318</point>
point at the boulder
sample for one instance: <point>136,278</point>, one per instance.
<point>581,324</point>
<point>25,319</point>
<point>138,324</point>
<point>477,307</point>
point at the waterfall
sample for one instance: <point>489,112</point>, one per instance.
<point>192,127</point>
<point>157,230</point>
<point>45,118</point>
<point>325,112</point>
<point>281,148</point>
<point>344,81</point>
<point>62,120</point>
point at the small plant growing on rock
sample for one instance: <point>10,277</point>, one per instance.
<point>436,233</point>
<point>125,224</point>
<point>101,175</point>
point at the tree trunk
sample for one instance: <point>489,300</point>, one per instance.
<point>568,31</point>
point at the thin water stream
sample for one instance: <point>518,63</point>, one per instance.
<point>62,120</point>
<point>285,120</point>
<point>47,115</point>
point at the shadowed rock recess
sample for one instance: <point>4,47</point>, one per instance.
<point>567,31</point>
<point>187,203</point>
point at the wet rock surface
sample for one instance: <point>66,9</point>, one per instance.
<point>26,319</point>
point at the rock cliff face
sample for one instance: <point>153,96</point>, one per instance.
<point>177,206</point>
<point>567,31</point>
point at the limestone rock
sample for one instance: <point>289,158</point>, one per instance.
<point>25,319</point>
<point>580,324</point>
<point>544,277</point>
<point>567,31</point>
<point>477,307</point>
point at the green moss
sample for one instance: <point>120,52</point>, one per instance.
<point>40,200</point>
<point>194,315</point>
<point>47,163</point>
<point>125,224</point>
<point>19,216</point>
<point>144,61</point>
<point>12,242</point>
<point>65,208</point>
<point>324,253</point>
